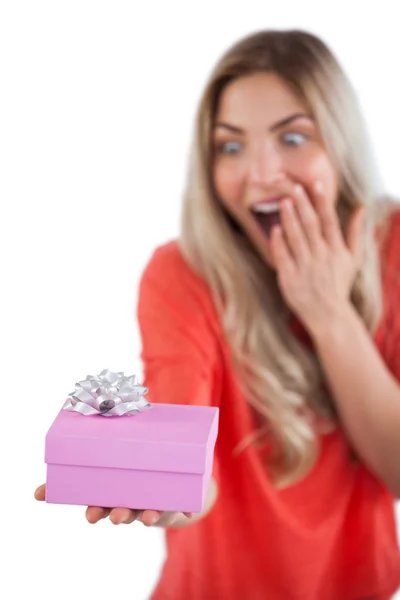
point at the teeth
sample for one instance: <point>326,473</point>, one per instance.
<point>266,208</point>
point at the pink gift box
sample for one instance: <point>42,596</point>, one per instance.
<point>157,459</point>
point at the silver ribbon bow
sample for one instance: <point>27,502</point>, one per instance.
<point>108,394</point>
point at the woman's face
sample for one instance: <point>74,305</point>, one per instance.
<point>265,142</point>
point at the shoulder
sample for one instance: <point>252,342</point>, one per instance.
<point>168,269</point>
<point>390,245</point>
<point>393,227</point>
<point>169,279</point>
<point>167,260</point>
<point>391,219</point>
<point>388,335</point>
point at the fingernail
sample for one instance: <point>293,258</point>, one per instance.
<point>122,518</point>
<point>276,231</point>
<point>289,205</point>
<point>154,520</point>
<point>298,189</point>
<point>319,188</point>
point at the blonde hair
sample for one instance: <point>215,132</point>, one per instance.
<point>280,377</point>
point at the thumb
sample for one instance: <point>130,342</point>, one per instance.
<point>40,493</point>
<point>355,235</point>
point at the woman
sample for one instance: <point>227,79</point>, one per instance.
<point>278,304</point>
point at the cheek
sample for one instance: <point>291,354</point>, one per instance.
<point>228,183</point>
<point>318,167</point>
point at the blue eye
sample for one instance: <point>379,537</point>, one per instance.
<point>230,148</point>
<point>294,139</point>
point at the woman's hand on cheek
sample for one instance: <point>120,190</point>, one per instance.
<point>315,266</point>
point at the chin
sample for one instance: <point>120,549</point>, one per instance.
<point>261,245</point>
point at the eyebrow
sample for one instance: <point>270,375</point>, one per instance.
<point>275,127</point>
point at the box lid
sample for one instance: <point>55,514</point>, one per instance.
<point>168,437</point>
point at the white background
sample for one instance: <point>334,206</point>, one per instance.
<point>96,108</point>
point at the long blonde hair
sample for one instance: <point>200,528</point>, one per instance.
<point>281,378</point>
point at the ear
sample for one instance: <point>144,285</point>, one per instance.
<point>354,236</point>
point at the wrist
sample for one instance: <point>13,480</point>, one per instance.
<point>178,519</point>
<point>172,519</point>
<point>337,324</point>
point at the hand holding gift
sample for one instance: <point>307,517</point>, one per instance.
<point>94,514</point>
<point>158,456</point>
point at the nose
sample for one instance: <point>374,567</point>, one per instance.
<point>265,166</point>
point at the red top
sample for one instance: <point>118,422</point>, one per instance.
<point>330,537</point>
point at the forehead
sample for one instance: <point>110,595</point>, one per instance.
<point>255,97</point>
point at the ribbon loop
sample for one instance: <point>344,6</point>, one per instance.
<point>108,394</point>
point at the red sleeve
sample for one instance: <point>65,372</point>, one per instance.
<point>391,270</point>
<point>177,329</point>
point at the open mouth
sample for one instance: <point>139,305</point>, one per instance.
<point>267,216</point>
